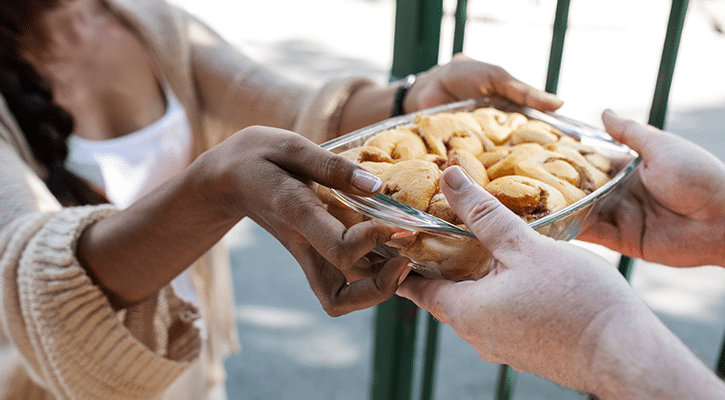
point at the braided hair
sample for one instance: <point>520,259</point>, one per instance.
<point>46,125</point>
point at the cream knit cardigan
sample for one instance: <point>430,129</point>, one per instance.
<point>59,336</point>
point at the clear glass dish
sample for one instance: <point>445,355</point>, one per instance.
<point>565,224</point>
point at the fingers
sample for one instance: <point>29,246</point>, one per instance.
<point>337,297</point>
<point>370,291</point>
<point>428,294</point>
<point>636,136</point>
<point>465,78</point>
<point>506,85</point>
<point>340,245</point>
<point>501,231</point>
<point>302,157</point>
<point>524,94</point>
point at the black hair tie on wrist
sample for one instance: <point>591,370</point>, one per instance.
<point>403,89</point>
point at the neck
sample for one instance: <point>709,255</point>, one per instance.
<point>54,29</point>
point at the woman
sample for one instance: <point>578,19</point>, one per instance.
<point>139,105</point>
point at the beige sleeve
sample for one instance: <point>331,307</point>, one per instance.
<point>236,91</point>
<point>319,119</point>
<point>73,343</point>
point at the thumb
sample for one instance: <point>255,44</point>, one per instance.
<point>636,136</point>
<point>501,231</point>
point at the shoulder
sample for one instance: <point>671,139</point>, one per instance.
<point>12,140</point>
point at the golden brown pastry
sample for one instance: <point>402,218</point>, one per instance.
<point>439,208</point>
<point>366,153</point>
<point>506,165</point>
<point>444,131</point>
<point>400,144</point>
<point>469,120</point>
<point>469,163</point>
<point>497,125</point>
<point>412,182</point>
<point>527,197</point>
<point>594,175</point>
<point>596,159</point>
<point>558,171</point>
<point>535,131</point>
<point>442,257</point>
<point>489,158</point>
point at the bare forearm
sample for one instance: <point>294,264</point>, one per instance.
<point>638,357</point>
<point>135,252</point>
<point>367,106</point>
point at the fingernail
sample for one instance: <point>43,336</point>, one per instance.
<point>552,96</point>
<point>402,234</point>
<point>365,181</point>
<point>456,178</point>
<point>405,273</point>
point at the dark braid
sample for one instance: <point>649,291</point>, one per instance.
<point>46,125</point>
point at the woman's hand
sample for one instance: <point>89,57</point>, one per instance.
<point>674,213</point>
<point>462,78</point>
<point>465,78</point>
<point>268,174</point>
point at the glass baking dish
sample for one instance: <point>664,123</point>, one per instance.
<point>564,224</point>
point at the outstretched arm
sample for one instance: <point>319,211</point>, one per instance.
<point>557,310</point>
<point>265,174</point>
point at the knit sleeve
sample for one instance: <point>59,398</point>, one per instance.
<point>235,91</point>
<point>319,119</point>
<point>73,343</point>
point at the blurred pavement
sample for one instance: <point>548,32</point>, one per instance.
<point>291,348</point>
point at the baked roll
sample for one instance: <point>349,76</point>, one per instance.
<point>443,132</point>
<point>527,197</point>
<point>400,144</point>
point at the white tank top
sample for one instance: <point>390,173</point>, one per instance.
<point>131,166</point>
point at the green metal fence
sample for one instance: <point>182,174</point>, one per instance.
<point>416,49</point>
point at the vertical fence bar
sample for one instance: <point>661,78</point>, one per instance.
<point>429,359</point>
<point>720,367</point>
<point>415,49</point>
<point>417,42</point>
<point>395,327</point>
<point>506,381</point>
<point>561,21</point>
<point>460,26</point>
<point>667,64</point>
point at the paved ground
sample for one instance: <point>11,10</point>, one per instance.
<point>291,349</point>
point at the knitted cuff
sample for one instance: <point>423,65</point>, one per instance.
<point>72,337</point>
<point>320,118</point>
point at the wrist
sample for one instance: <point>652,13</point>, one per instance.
<point>214,182</point>
<point>366,106</point>
<point>592,349</point>
<point>401,94</point>
<point>628,353</point>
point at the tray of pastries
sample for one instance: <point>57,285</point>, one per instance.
<point>552,171</point>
